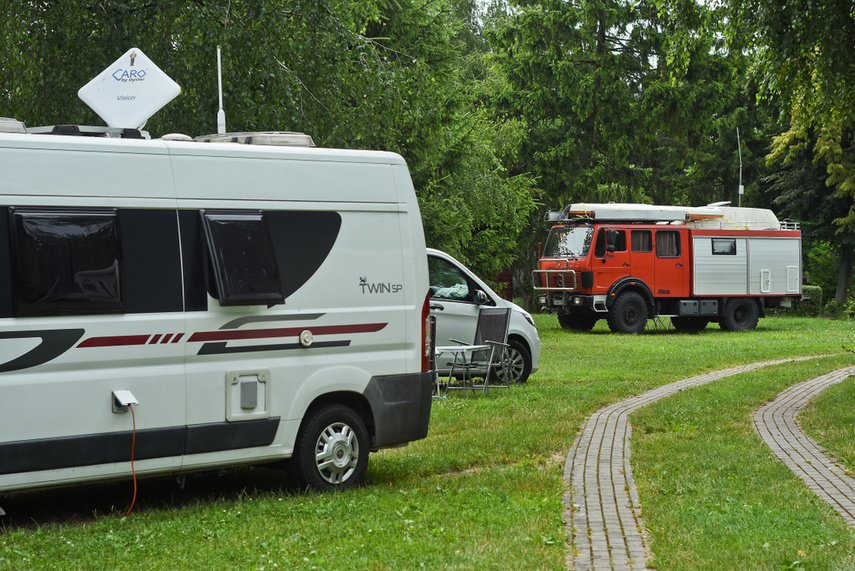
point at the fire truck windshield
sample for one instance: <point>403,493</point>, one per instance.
<point>568,242</point>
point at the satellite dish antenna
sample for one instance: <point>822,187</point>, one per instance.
<point>129,91</point>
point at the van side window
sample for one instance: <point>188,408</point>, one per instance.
<point>667,244</point>
<point>242,258</point>
<point>65,261</point>
<point>446,281</point>
<point>642,241</point>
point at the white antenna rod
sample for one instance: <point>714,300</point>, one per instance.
<point>739,146</point>
<point>221,114</point>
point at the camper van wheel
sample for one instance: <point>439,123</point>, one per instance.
<point>628,314</point>
<point>740,313</point>
<point>331,452</point>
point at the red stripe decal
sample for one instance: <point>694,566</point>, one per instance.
<point>167,337</point>
<point>116,341</point>
<point>284,332</point>
<point>202,337</point>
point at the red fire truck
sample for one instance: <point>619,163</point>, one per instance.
<point>628,263</point>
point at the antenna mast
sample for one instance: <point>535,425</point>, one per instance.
<point>739,146</point>
<point>221,114</point>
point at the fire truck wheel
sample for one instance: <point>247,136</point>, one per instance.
<point>577,322</point>
<point>740,313</point>
<point>689,324</point>
<point>628,313</point>
<point>331,452</point>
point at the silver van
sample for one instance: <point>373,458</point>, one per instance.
<point>456,296</point>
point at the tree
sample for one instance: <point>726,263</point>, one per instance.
<point>606,115</point>
<point>378,74</point>
<point>800,187</point>
<point>806,63</point>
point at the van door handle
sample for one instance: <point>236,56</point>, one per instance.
<point>437,307</point>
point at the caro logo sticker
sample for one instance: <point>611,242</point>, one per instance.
<point>381,287</point>
<point>132,74</point>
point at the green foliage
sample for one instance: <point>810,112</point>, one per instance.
<point>813,304</point>
<point>606,116</point>
<point>381,74</point>
<point>804,61</point>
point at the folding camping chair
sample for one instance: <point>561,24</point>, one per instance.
<point>485,353</point>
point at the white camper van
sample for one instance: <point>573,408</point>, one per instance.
<point>246,302</point>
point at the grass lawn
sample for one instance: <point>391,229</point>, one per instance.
<point>483,491</point>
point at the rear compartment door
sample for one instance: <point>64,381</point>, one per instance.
<point>671,266</point>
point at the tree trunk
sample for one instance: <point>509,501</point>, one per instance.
<point>843,279</point>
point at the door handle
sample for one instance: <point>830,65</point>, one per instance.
<point>679,265</point>
<point>437,307</point>
<point>625,265</point>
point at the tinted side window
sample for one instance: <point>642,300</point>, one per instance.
<point>447,281</point>
<point>667,244</point>
<point>242,259</point>
<point>642,241</point>
<point>65,261</point>
<point>149,239</point>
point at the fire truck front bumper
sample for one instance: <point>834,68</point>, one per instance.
<point>572,301</point>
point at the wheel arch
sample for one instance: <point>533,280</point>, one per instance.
<point>354,401</point>
<point>630,283</point>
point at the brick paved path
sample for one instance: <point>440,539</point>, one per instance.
<point>601,508</point>
<point>776,424</point>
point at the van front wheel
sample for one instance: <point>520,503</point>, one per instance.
<point>331,452</point>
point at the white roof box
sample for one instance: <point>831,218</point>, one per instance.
<point>737,218</point>
<point>640,212</point>
<point>8,125</point>
<point>275,138</point>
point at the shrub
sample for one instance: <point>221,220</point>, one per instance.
<point>813,304</point>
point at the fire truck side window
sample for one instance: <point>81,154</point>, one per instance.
<point>667,244</point>
<point>642,241</point>
<point>618,237</point>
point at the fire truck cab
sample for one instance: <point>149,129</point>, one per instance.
<point>628,263</point>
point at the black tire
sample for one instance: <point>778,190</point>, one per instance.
<point>740,313</point>
<point>628,314</point>
<point>577,321</point>
<point>331,452</point>
<point>690,324</point>
<point>517,360</point>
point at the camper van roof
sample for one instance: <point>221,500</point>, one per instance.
<point>271,138</point>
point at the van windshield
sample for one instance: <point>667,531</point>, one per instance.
<point>568,242</point>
